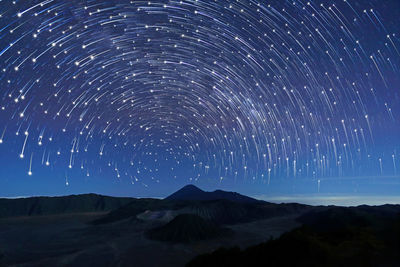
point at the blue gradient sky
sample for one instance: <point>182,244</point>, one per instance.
<point>273,99</point>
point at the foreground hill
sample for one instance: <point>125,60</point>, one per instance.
<point>34,206</point>
<point>333,236</point>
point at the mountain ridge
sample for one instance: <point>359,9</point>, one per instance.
<point>46,205</point>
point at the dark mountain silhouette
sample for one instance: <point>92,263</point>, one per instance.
<point>188,192</point>
<point>33,206</point>
<point>191,192</point>
<point>187,228</point>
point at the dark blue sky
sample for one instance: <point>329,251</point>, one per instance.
<point>138,98</point>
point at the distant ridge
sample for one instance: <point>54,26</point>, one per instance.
<point>33,206</point>
<point>192,192</point>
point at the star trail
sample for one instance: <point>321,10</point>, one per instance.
<point>149,93</point>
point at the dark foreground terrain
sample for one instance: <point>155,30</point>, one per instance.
<point>196,228</point>
<point>335,236</point>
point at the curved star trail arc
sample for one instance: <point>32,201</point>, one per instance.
<point>234,91</point>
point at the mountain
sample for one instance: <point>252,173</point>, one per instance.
<point>34,206</point>
<point>187,228</point>
<point>218,206</point>
<point>191,192</point>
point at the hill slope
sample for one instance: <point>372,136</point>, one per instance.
<point>186,228</point>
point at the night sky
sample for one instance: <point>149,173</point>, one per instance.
<point>138,98</point>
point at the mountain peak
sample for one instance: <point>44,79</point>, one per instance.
<point>190,187</point>
<point>188,192</point>
<point>192,192</point>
